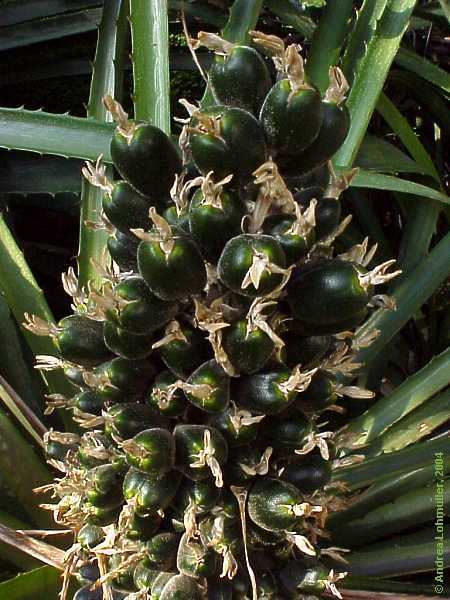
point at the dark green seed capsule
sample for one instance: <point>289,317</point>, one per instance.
<point>127,344</point>
<point>291,119</point>
<point>233,145</point>
<point>241,78</point>
<point>308,473</point>
<point>151,492</point>
<point>125,208</point>
<point>239,257</point>
<point>190,446</point>
<point>288,433</point>
<point>194,560</point>
<point>161,551</point>
<point>248,348</point>
<point>123,250</point>
<point>177,274</point>
<point>264,393</point>
<point>181,587</point>
<point>271,505</point>
<point>80,341</point>
<point>141,311</point>
<point>90,536</point>
<point>327,293</point>
<point>128,419</point>
<point>186,349</point>
<point>152,451</point>
<point>209,387</point>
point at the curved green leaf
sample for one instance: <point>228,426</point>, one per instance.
<point>44,582</point>
<point>412,393</point>
<point>414,426</point>
<point>408,59</point>
<point>376,154</point>
<point>292,15</point>
<point>379,181</point>
<point>371,75</point>
<point>93,241</point>
<point>396,559</point>
<point>47,133</point>
<point>406,134</point>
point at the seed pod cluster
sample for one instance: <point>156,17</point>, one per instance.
<point>205,362</point>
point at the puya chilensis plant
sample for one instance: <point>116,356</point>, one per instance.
<point>212,359</point>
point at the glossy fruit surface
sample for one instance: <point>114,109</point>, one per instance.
<point>173,276</point>
<point>162,397</point>
<point>271,504</point>
<point>125,208</point>
<point>291,119</point>
<point>186,348</point>
<point>181,587</point>
<point>150,492</point>
<point>241,78</point>
<point>127,344</point>
<point>248,348</point>
<point>212,226</point>
<point>210,387</point>
<point>139,310</point>
<point>240,254</point>
<point>80,341</point>
<point>263,393</point>
<point>309,473</point>
<point>236,146</point>
<point>327,292</point>
<point>190,446</point>
<point>152,451</point>
<point>148,160</point>
<point>123,249</point>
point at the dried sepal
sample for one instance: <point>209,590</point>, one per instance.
<point>40,327</point>
<point>95,174</point>
<point>206,458</point>
<point>378,275</point>
<point>172,332</point>
<point>262,467</point>
<point>338,86</point>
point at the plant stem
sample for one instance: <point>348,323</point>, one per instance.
<point>93,241</point>
<point>150,56</point>
<point>244,15</point>
<point>371,75</point>
<point>327,41</point>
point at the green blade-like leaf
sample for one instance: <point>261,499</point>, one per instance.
<point>361,34</point>
<point>14,366</point>
<point>371,75</point>
<point>379,181</point>
<point>380,156</point>
<point>404,590</point>
<point>411,428</point>
<point>19,12</point>
<point>406,134</point>
<point>26,173</point>
<point>396,560</point>
<point>22,471</point>
<point>425,95</point>
<point>409,296</point>
<point>47,133</point>
<point>408,59</point>
<point>93,241</point>
<point>12,555</point>
<point>385,490</point>
<point>49,28</point>
<point>244,15</point>
<point>327,41</point>
<point>409,510</point>
<point>21,412</point>
<point>44,582</point>
<point>374,470</point>
<point>413,392</point>
<point>292,15</point>
<point>150,56</point>
<point>23,294</point>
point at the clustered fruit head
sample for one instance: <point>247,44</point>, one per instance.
<point>222,333</point>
